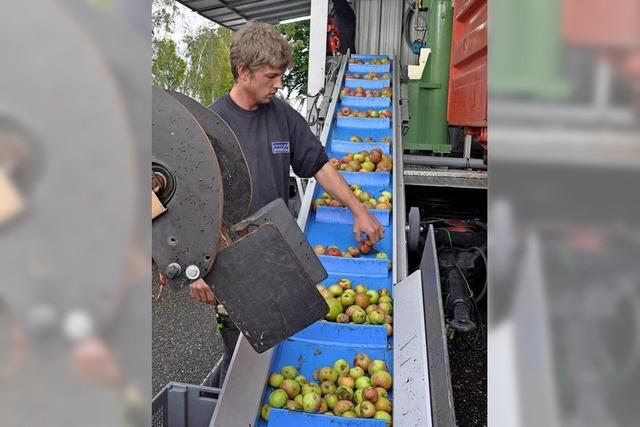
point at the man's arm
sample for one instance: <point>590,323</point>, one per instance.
<point>333,183</point>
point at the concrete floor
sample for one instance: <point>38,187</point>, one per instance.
<point>186,345</point>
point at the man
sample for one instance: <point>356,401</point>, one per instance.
<point>345,20</point>
<point>273,137</point>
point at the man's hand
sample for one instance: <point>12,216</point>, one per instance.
<point>201,292</point>
<point>364,222</point>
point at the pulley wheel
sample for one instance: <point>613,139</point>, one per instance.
<point>185,235</point>
<point>233,165</point>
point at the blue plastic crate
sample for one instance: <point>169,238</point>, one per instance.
<point>307,356</point>
<point>367,68</point>
<point>363,101</point>
<point>371,178</point>
<point>361,123</point>
<point>341,235</point>
<point>369,267</point>
<point>369,56</point>
<point>367,84</point>
<point>345,134</point>
<point>376,283</point>
<point>363,336</point>
<point>344,215</point>
<point>284,418</point>
<point>339,146</point>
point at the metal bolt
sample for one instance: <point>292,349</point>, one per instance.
<point>173,270</point>
<point>192,272</point>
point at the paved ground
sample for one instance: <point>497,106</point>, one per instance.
<point>469,379</point>
<point>185,344</point>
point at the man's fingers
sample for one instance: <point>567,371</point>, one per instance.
<point>211,299</point>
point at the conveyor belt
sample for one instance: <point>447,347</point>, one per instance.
<point>246,388</point>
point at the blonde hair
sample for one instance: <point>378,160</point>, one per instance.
<point>256,45</point>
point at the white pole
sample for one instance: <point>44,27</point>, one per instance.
<point>317,47</point>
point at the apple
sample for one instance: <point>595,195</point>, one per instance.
<point>342,406</point>
<point>353,251</point>
<point>363,382</point>
<point>346,111</point>
<point>375,366</point>
<point>355,138</point>
<point>362,360</point>
<point>345,393</point>
<point>327,387</point>
<point>335,162</point>
<point>335,308</point>
<point>333,251</point>
<point>359,316</point>
<point>327,373</point>
<point>301,379</point>
<point>370,394</point>
<point>368,165</point>
<point>373,296</point>
<point>331,399</point>
<point>347,300</point>
<point>382,379</point>
<point>346,381</point>
<point>342,366</point>
<point>373,114</point>
<point>264,412</point>
<point>342,318</point>
<point>362,301</point>
<point>356,372</point>
<point>376,317</point>
<point>275,379</point>
<point>365,248</point>
<point>311,402</point>
<point>367,409</point>
<point>289,372</point>
<point>335,290</point>
<point>380,255</point>
<point>383,403</point>
<point>386,307</point>
<point>291,387</point>
<point>278,398</point>
<point>382,415</point>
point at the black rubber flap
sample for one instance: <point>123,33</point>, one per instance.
<point>278,214</point>
<point>265,289</point>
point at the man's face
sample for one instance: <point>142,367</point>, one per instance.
<point>262,84</point>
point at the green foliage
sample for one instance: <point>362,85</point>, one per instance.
<point>168,68</point>
<point>209,73</point>
<point>297,33</point>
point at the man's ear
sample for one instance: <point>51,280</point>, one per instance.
<point>244,73</point>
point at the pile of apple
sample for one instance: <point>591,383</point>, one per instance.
<point>364,248</point>
<point>362,114</point>
<point>369,76</point>
<point>374,61</point>
<point>364,161</point>
<point>356,138</point>
<point>360,391</point>
<point>383,202</point>
<point>359,305</point>
<point>368,93</point>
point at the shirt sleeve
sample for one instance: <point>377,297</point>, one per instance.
<point>308,155</point>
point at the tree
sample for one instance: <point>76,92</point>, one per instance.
<point>297,34</point>
<point>168,68</point>
<point>209,73</point>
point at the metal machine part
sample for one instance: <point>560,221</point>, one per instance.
<point>184,157</point>
<point>248,262</point>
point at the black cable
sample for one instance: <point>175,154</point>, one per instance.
<point>475,308</point>
<point>482,294</point>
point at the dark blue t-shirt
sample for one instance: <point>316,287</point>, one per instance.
<point>273,137</point>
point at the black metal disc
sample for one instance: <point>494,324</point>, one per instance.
<point>187,233</point>
<point>233,165</point>
<point>413,233</point>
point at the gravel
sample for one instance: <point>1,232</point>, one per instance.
<point>186,345</point>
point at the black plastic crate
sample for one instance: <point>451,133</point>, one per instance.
<point>183,405</point>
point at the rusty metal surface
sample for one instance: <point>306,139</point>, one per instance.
<point>468,78</point>
<point>265,288</point>
<point>187,234</point>
<point>235,172</point>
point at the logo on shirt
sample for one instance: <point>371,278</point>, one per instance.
<point>280,147</point>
